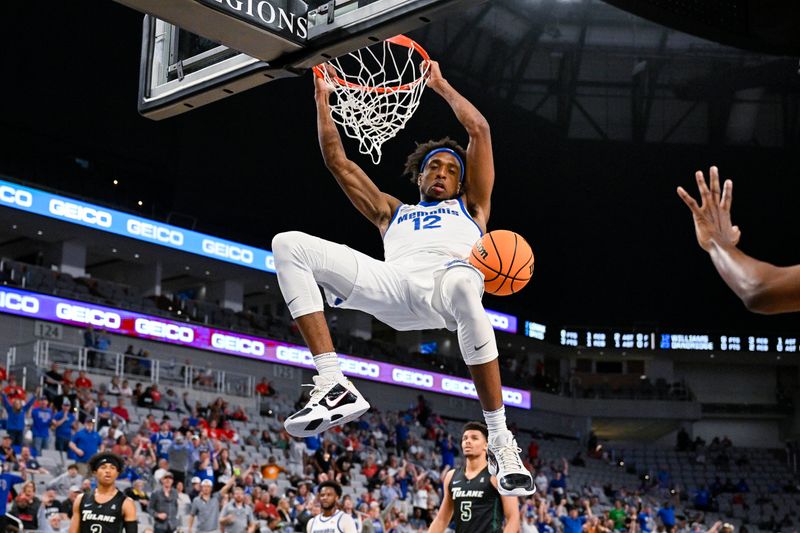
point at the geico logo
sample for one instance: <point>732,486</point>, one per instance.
<point>498,321</point>
<point>359,368</point>
<point>412,378</point>
<point>460,387</point>
<point>72,211</point>
<point>269,262</point>
<point>87,315</point>
<point>157,233</point>
<point>164,330</point>
<point>512,397</point>
<point>294,355</point>
<point>10,195</point>
<point>226,250</point>
<point>236,344</point>
<point>18,302</point>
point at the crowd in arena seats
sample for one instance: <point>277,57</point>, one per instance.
<point>195,465</point>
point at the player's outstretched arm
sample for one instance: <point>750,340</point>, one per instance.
<point>762,287</point>
<point>479,178</point>
<point>511,511</point>
<point>445,514</point>
<point>370,201</point>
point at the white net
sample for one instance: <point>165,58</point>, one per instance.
<point>377,90</point>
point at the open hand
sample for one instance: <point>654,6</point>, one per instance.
<point>712,218</point>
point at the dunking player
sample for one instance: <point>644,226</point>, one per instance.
<point>425,283</point>
<point>762,287</point>
<point>331,519</point>
<point>471,492</point>
<point>105,509</point>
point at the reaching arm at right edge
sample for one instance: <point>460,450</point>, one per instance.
<point>762,287</point>
<point>377,206</point>
<point>445,514</point>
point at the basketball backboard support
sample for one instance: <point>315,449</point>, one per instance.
<point>246,43</point>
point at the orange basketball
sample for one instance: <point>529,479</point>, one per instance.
<point>506,260</point>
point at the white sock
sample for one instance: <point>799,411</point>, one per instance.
<point>328,365</point>
<point>495,421</point>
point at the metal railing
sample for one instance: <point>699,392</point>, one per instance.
<point>41,354</point>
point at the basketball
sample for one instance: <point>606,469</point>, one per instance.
<point>506,260</point>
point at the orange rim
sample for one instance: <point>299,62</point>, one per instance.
<point>400,40</point>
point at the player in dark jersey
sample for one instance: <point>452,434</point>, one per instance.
<point>470,492</point>
<point>105,509</point>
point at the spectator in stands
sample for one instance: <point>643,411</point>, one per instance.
<point>84,444</point>
<point>14,391</point>
<point>171,402</point>
<point>16,412</point>
<point>161,471</point>
<point>49,509</point>
<point>26,506</point>
<point>53,379</point>
<point>125,389</point>
<point>667,515</point>
<point>62,483</point>
<point>111,433</point>
<point>163,439</point>
<point>29,463</point>
<point>42,416</point>
<point>204,513</point>
<point>113,387</point>
<point>264,388</point>
<point>163,506</point>
<point>237,516</point>
<point>138,493</point>
<point>83,381</point>
<point>572,521</point>
<point>90,342</point>
<point>448,449</point>
<point>180,456</point>
<point>272,469</point>
<point>205,466</point>
<point>122,448</point>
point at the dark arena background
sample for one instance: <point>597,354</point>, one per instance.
<point>632,370</point>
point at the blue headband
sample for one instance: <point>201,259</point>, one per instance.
<point>449,151</point>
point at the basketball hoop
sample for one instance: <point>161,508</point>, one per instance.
<point>377,90</point>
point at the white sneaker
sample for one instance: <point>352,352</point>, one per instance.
<point>513,479</point>
<point>333,402</point>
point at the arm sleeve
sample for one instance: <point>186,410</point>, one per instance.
<point>347,524</point>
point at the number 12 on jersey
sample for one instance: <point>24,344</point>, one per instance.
<point>428,222</point>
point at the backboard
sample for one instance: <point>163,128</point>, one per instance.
<point>195,52</point>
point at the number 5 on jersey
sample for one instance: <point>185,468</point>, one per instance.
<point>466,511</point>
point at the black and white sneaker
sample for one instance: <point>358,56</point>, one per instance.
<point>333,402</point>
<point>513,479</point>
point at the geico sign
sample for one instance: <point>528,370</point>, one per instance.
<point>294,355</point>
<point>228,251</point>
<point>164,330</point>
<point>418,379</point>
<point>237,344</point>
<point>459,387</point>
<point>498,321</point>
<point>88,315</point>
<point>10,195</point>
<point>18,302</point>
<point>90,215</point>
<point>359,368</point>
<point>155,232</point>
<point>512,397</point>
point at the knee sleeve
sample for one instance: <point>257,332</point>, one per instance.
<point>303,261</point>
<point>461,290</point>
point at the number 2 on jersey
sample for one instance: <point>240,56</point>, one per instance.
<point>466,511</point>
<point>428,222</point>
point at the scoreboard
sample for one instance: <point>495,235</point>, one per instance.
<point>630,339</point>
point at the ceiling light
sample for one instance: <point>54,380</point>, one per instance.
<point>140,203</point>
<point>136,256</point>
<point>116,182</point>
<point>113,250</point>
<point>39,232</point>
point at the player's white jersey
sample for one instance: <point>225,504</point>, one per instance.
<point>429,234</point>
<point>338,523</point>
